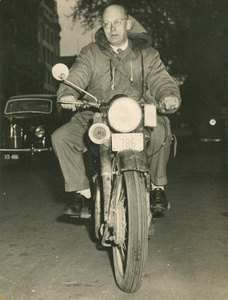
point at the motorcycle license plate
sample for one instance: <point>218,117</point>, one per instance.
<point>122,141</point>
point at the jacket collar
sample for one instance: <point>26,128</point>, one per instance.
<point>139,41</point>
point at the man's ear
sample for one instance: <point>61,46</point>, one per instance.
<point>129,24</point>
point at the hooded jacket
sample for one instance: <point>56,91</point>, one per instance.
<point>137,72</point>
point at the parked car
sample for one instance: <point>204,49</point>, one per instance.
<point>210,131</point>
<point>27,124</point>
<point>211,127</point>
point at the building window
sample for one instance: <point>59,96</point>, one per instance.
<point>52,58</point>
<point>47,35</point>
<point>44,54</point>
<point>43,31</point>
<point>56,38</point>
<point>51,36</point>
<point>48,56</point>
<point>40,52</point>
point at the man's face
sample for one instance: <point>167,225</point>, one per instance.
<point>116,35</point>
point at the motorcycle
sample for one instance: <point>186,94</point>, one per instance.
<point>122,215</point>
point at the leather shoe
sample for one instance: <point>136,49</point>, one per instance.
<point>158,200</point>
<point>79,207</point>
<point>75,207</point>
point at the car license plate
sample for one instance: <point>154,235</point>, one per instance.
<point>12,156</point>
<point>122,141</point>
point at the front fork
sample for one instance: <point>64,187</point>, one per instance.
<point>123,161</point>
<point>106,174</point>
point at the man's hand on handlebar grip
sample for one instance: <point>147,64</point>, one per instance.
<point>169,104</point>
<point>69,98</point>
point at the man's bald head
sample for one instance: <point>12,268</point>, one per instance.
<point>116,8</point>
<point>116,24</point>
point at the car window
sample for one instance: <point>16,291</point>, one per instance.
<point>28,106</point>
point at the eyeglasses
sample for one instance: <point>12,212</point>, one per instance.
<point>116,23</point>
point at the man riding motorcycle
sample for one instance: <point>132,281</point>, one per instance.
<point>121,61</point>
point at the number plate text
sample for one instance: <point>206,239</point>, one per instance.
<point>121,141</point>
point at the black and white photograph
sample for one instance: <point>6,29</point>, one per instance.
<point>113,150</point>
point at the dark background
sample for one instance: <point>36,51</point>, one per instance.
<point>190,35</point>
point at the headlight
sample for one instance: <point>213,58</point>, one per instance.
<point>212,122</point>
<point>124,114</point>
<point>39,132</point>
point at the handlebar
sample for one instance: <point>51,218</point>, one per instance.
<point>81,103</point>
<point>97,105</point>
<point>61,72</point>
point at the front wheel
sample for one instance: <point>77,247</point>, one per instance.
<point>130,230</point>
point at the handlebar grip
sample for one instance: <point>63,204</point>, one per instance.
<point>81,103</point>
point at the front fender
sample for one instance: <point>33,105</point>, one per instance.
<point>131,160</point>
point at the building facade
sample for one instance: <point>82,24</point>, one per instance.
<point>29,47</point>
<point>48,41</point>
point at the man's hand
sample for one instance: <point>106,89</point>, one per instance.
<point>67,99</point>
<point>168,104</point>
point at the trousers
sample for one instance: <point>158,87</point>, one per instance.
<point>69,144</point>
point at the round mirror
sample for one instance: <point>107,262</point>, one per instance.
<point>60,72</point>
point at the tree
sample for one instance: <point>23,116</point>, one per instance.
<point>159,18</point>
<point>190,36</point>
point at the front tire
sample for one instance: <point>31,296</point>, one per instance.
<point>130,230</point>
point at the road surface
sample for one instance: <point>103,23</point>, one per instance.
<point>44,256</point>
